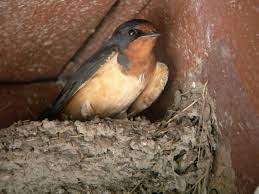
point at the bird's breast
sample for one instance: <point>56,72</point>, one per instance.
<point>109,92</point>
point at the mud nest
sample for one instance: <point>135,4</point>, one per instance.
<point>174,154</point>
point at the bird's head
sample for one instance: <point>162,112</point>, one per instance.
<point>135,37</point>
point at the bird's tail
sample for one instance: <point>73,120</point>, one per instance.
<point>48,113</point>
<point>52,110</point>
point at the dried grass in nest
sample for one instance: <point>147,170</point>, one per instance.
<point>174,154</point>
<point>195,108</point>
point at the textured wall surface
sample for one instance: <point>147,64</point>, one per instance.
<point>39,37</point>
<point>214,41</point>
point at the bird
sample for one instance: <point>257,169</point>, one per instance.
<point>122,78</point>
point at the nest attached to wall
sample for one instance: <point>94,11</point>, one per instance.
<point>174,154</point>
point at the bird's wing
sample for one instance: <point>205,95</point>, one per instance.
<point>84,73</point>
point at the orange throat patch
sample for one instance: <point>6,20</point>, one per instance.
<point>141,55</point>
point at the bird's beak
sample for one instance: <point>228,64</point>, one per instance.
<point>152,34</point>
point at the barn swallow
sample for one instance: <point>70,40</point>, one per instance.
<point>123,77</point>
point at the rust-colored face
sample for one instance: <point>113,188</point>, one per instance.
<point>137,35</point>
<point>141,47</point>
<point>144,39</point>
<point>146,42</point>
<point>136,39</point>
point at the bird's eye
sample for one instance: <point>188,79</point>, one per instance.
<point>132,32</point>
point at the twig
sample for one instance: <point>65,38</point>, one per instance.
<point>186,108</point>
<point>185,93</point>
<point>204,94</point>
<point>201,119</point>
<point>137,185</point>
<point>199,180</point>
